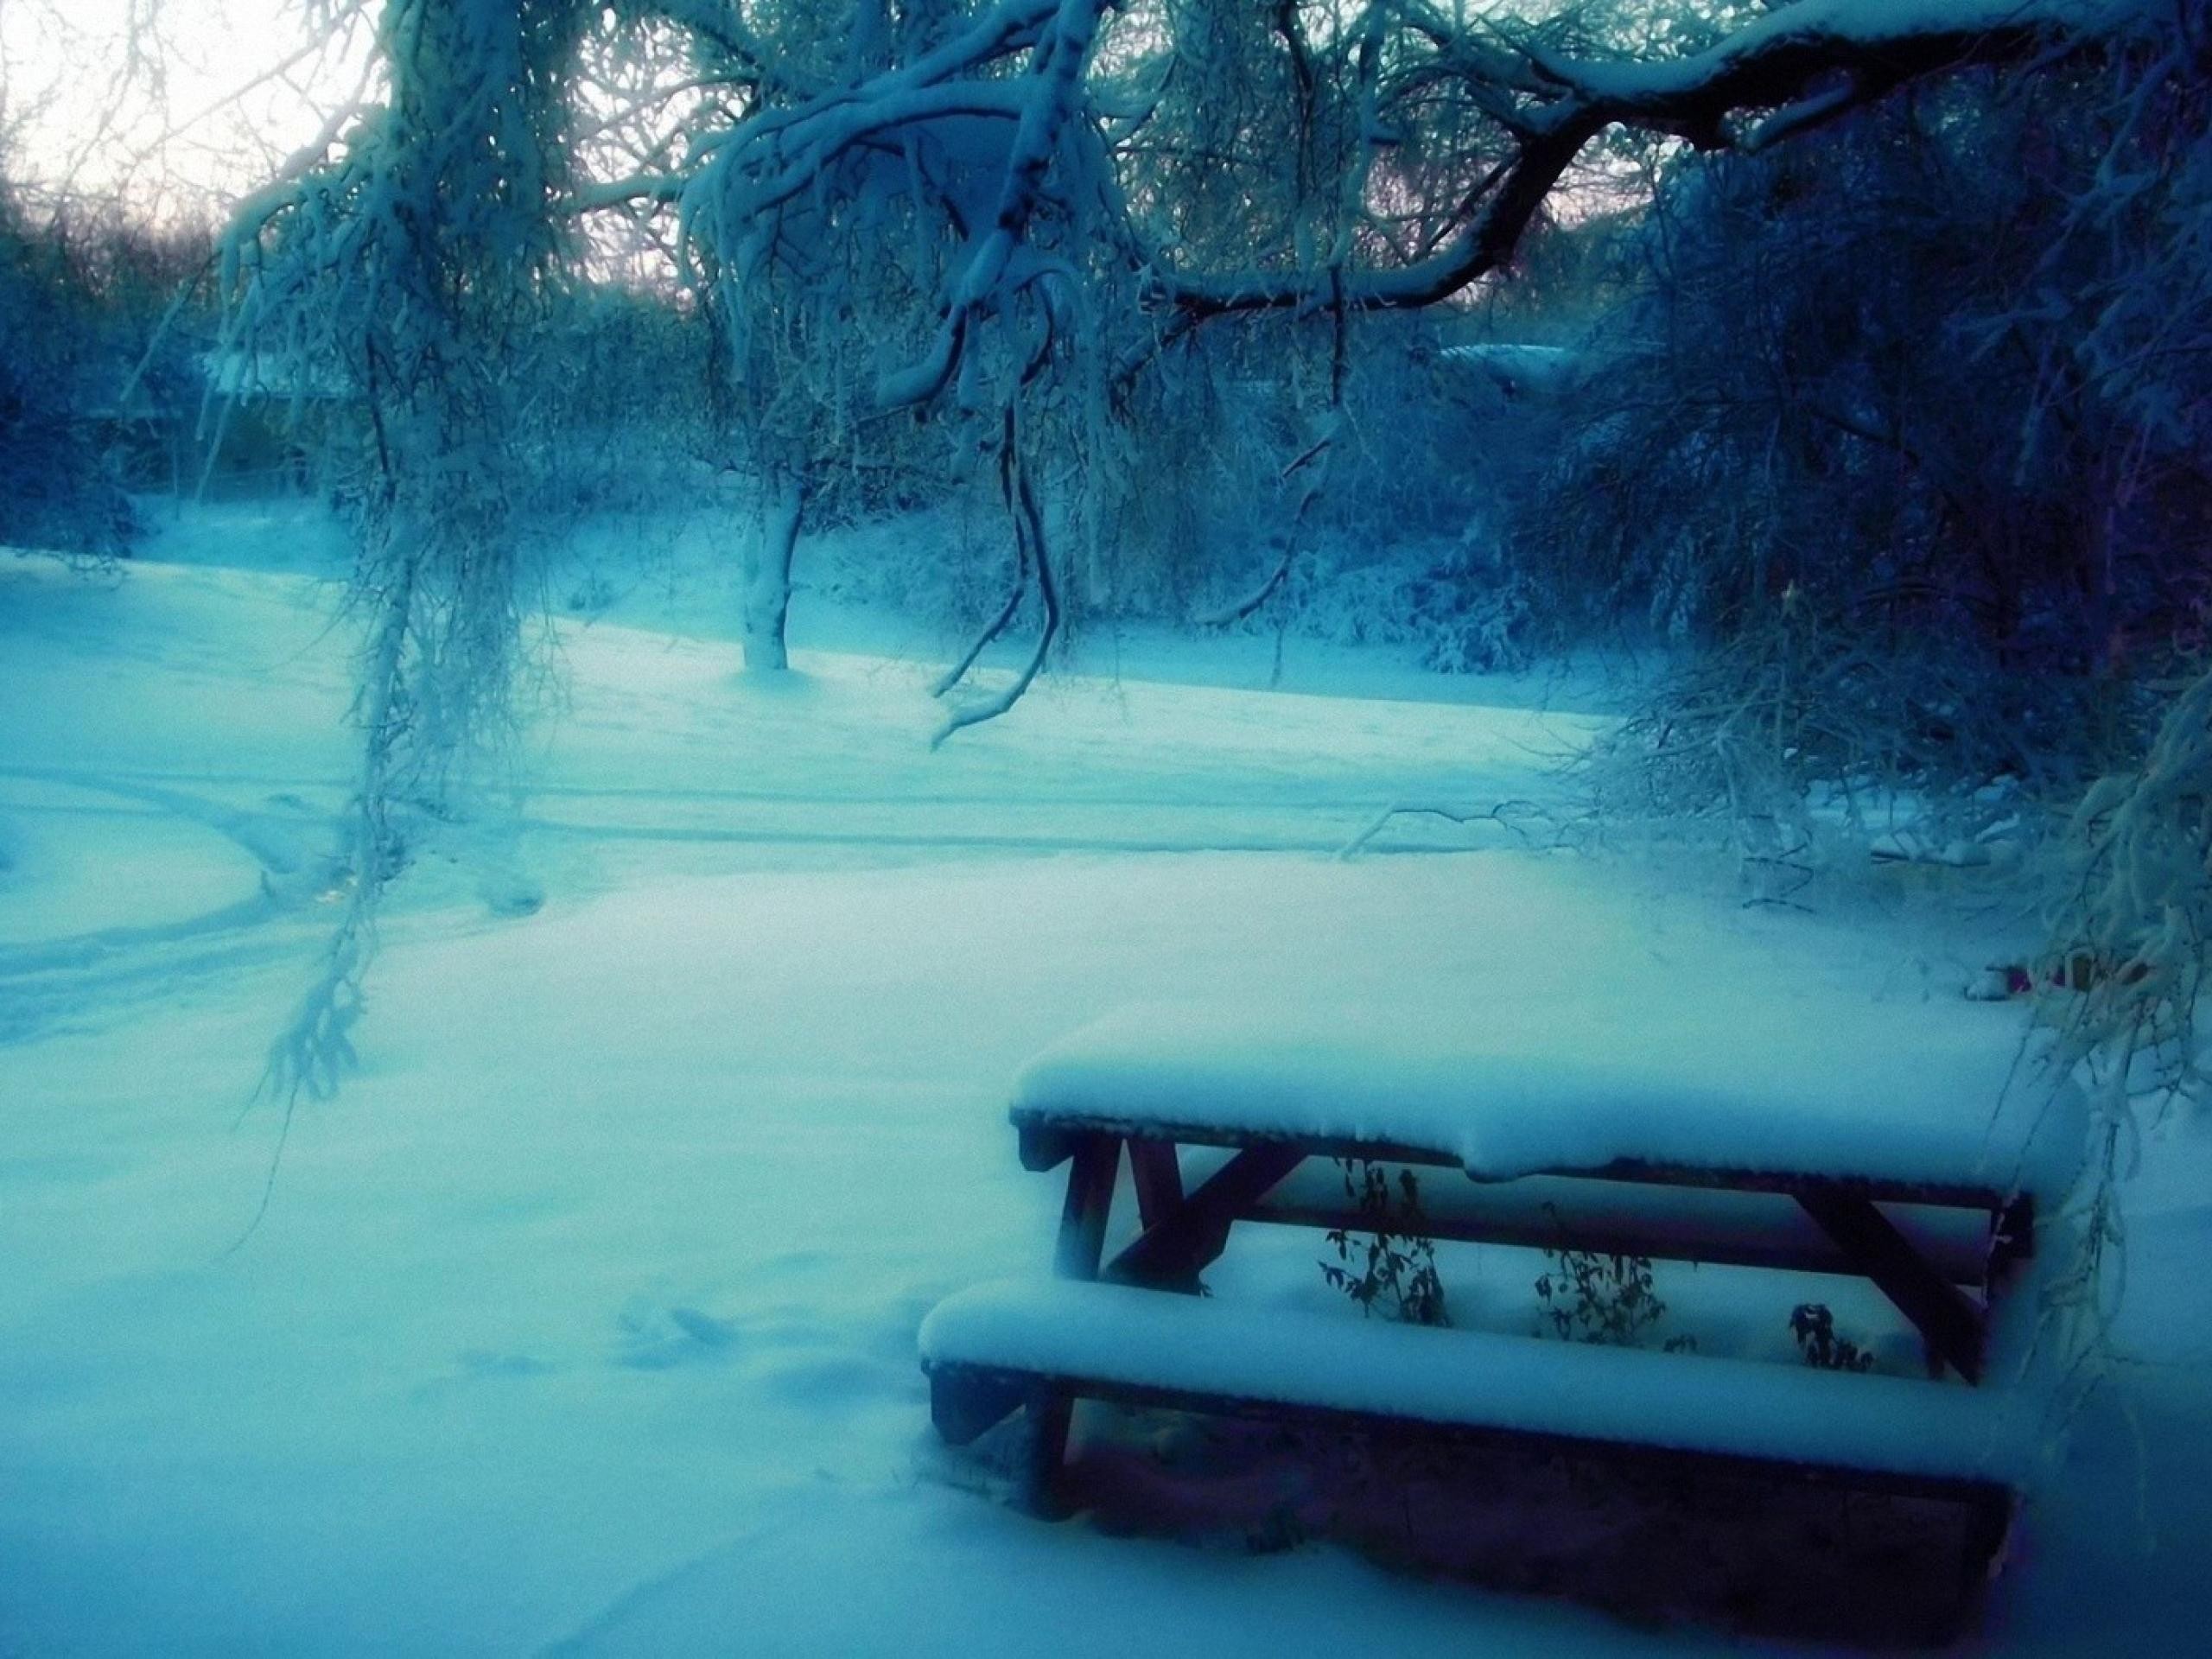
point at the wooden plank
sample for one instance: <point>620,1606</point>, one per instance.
<point>1951,1323</point>
<point>1050,1409</point>
<point>1714,1225</point>
<point>1040,1128</point>
<point>1043,1146</point>
<point>1158,1178</point>
<point>1988,1538</point>
<point>1170,1253</point>
<point>963,1404</point>
<point>2013,1239</point>
<point>1963,1195</point>
<point>1990,1497</point>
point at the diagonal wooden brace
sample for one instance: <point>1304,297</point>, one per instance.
<point>1171,1251</point>
<point>1950,1323</point>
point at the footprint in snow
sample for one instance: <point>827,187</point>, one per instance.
<point>659,1338</point>
<point>790,1263</point>
<point>473,1365</point>
<point>820,1378</point>
<point>478,1362</point>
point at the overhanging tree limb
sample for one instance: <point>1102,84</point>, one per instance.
<point>1797,68</point>
<point>1808,63</point>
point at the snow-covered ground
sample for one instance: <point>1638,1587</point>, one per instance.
<point>584,1318</point>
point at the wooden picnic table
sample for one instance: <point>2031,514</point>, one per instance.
<point>1686,1155</point>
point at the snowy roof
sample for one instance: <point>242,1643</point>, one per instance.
<point>1921,1095</point>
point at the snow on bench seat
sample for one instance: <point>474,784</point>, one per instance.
<point>1933,1095</point>
<point>1113,1338</point>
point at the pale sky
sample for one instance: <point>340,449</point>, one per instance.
<point>202,109</point>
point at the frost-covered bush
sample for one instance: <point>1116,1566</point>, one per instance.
<point>1473,612</point>
<point>1457,603</point>
<point>620,402</point>
<point>2135,941</point>
<point>1849,439</point>
<point>2137,913</point>
<point>1364,511</point>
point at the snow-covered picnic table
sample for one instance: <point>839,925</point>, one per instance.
<point>1907,1143</point>
<point>1903,1099</point>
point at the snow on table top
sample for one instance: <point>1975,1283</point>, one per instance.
<point>1117,1334</point>
<point>1918,1093</point>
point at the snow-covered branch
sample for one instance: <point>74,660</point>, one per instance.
<point>1800,66</point>
<point>1781,74</point>
<point>761,166</point>
<point>1050,97</point>
<point>663,189</point>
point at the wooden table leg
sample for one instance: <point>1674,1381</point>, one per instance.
<point>1043,1487</point>
<point>1082,1240</point>
<point>1158,1178</point>
<point>1983,1543</point>
<point>1082,1217</point>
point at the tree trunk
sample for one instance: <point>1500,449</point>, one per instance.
<point>769,572</point>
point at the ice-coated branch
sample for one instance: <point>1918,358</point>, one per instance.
<point>805,152</point>
<point>821,125</point>
<point>1805,64</point>
<point>663,189</point>
<point>1781,74</point>
<point>1029,532</point>
<point>721,29</point>
<point>1756,64</point>
<point>1313,461</point>
<point>1503,815</point>
<point>766,163</point>
<point>995,626</point>
<point>1050,97</point>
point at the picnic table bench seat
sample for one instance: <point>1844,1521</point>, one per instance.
<point>1133,1345</point>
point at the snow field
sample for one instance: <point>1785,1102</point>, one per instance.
<point>584,1318</point>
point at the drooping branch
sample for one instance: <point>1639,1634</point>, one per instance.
<point>1029,529</point>
<point>1313,461</point>
<point>405,259</point>
<point>995,626</point>
<point>1014,168</point>
<point>1484,243</point>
